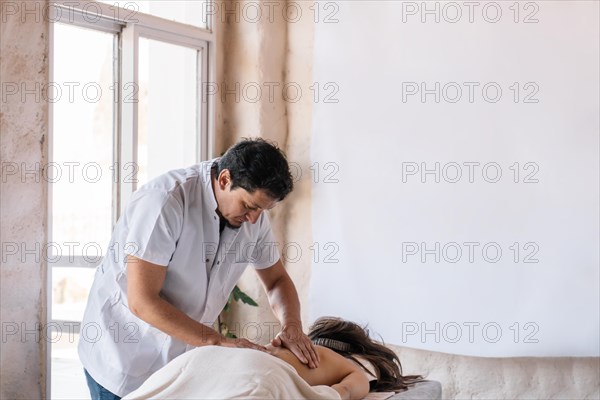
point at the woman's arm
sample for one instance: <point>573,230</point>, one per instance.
<point>353,386</point>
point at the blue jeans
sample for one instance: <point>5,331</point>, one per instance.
<point>97,391</point>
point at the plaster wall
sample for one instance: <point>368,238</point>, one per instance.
<point>278,51</point>
<point>257,53</point>
<point>23,202</point>
<point>464,377</point>
<point>461,376</point>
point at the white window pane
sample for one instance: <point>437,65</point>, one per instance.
<point>68,381</point>
<point>192,12</point>
<point>82,140</point>
<point>168,108</point>
<point>70,290</point>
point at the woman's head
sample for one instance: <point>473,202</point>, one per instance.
<point>351,340</point>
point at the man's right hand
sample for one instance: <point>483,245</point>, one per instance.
<point>241,343</point>
<point>144,284</point>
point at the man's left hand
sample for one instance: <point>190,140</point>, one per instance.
<point>292,337</point>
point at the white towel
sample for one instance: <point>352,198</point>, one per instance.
<point>215,372</point>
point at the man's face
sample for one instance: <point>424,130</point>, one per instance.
<point>238,205</point>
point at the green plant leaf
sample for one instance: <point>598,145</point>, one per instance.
<point>239,295</point>
<point>236,295</point>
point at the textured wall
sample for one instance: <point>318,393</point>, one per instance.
<point>258,53</point>
<point>23,201</point>
<point>465,377</point>
<point>248,54</point>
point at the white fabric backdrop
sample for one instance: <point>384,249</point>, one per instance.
<point>374,226</point>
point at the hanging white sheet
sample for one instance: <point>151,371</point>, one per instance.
<point>455,174</point>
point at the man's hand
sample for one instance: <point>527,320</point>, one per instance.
<point>241,343</point>
<point>284,301</point>
<point>292,337</point>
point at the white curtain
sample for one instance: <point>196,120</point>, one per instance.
<point>466,223</point>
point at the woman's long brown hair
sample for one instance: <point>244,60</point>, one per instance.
<point>386,362</point>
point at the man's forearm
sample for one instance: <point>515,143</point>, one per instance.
<point>172,321</point>
<point>284,301</point>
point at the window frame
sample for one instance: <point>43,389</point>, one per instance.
<point>102,17</point>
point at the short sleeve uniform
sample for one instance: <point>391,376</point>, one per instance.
<point>170,221</point>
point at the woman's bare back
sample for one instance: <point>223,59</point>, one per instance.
<point>333,370</point>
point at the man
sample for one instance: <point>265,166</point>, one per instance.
<point>176,253</point>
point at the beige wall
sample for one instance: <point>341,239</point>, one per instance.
<point>270,53</point>
<point>465,377</point>
<point>23,203</point>
<point>248,52</point>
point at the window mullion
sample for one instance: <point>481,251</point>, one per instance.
<point>173,37</point>
<point>79,17</point>
<point>204,104</point>
<point>116,171</point>
<point>128,116</point>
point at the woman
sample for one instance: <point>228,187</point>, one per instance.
<point>351,365</point>
<point>339,341</point>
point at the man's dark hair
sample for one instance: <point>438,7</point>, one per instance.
<point>255,163</point>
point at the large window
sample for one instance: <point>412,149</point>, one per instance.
<point>126,104</point>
